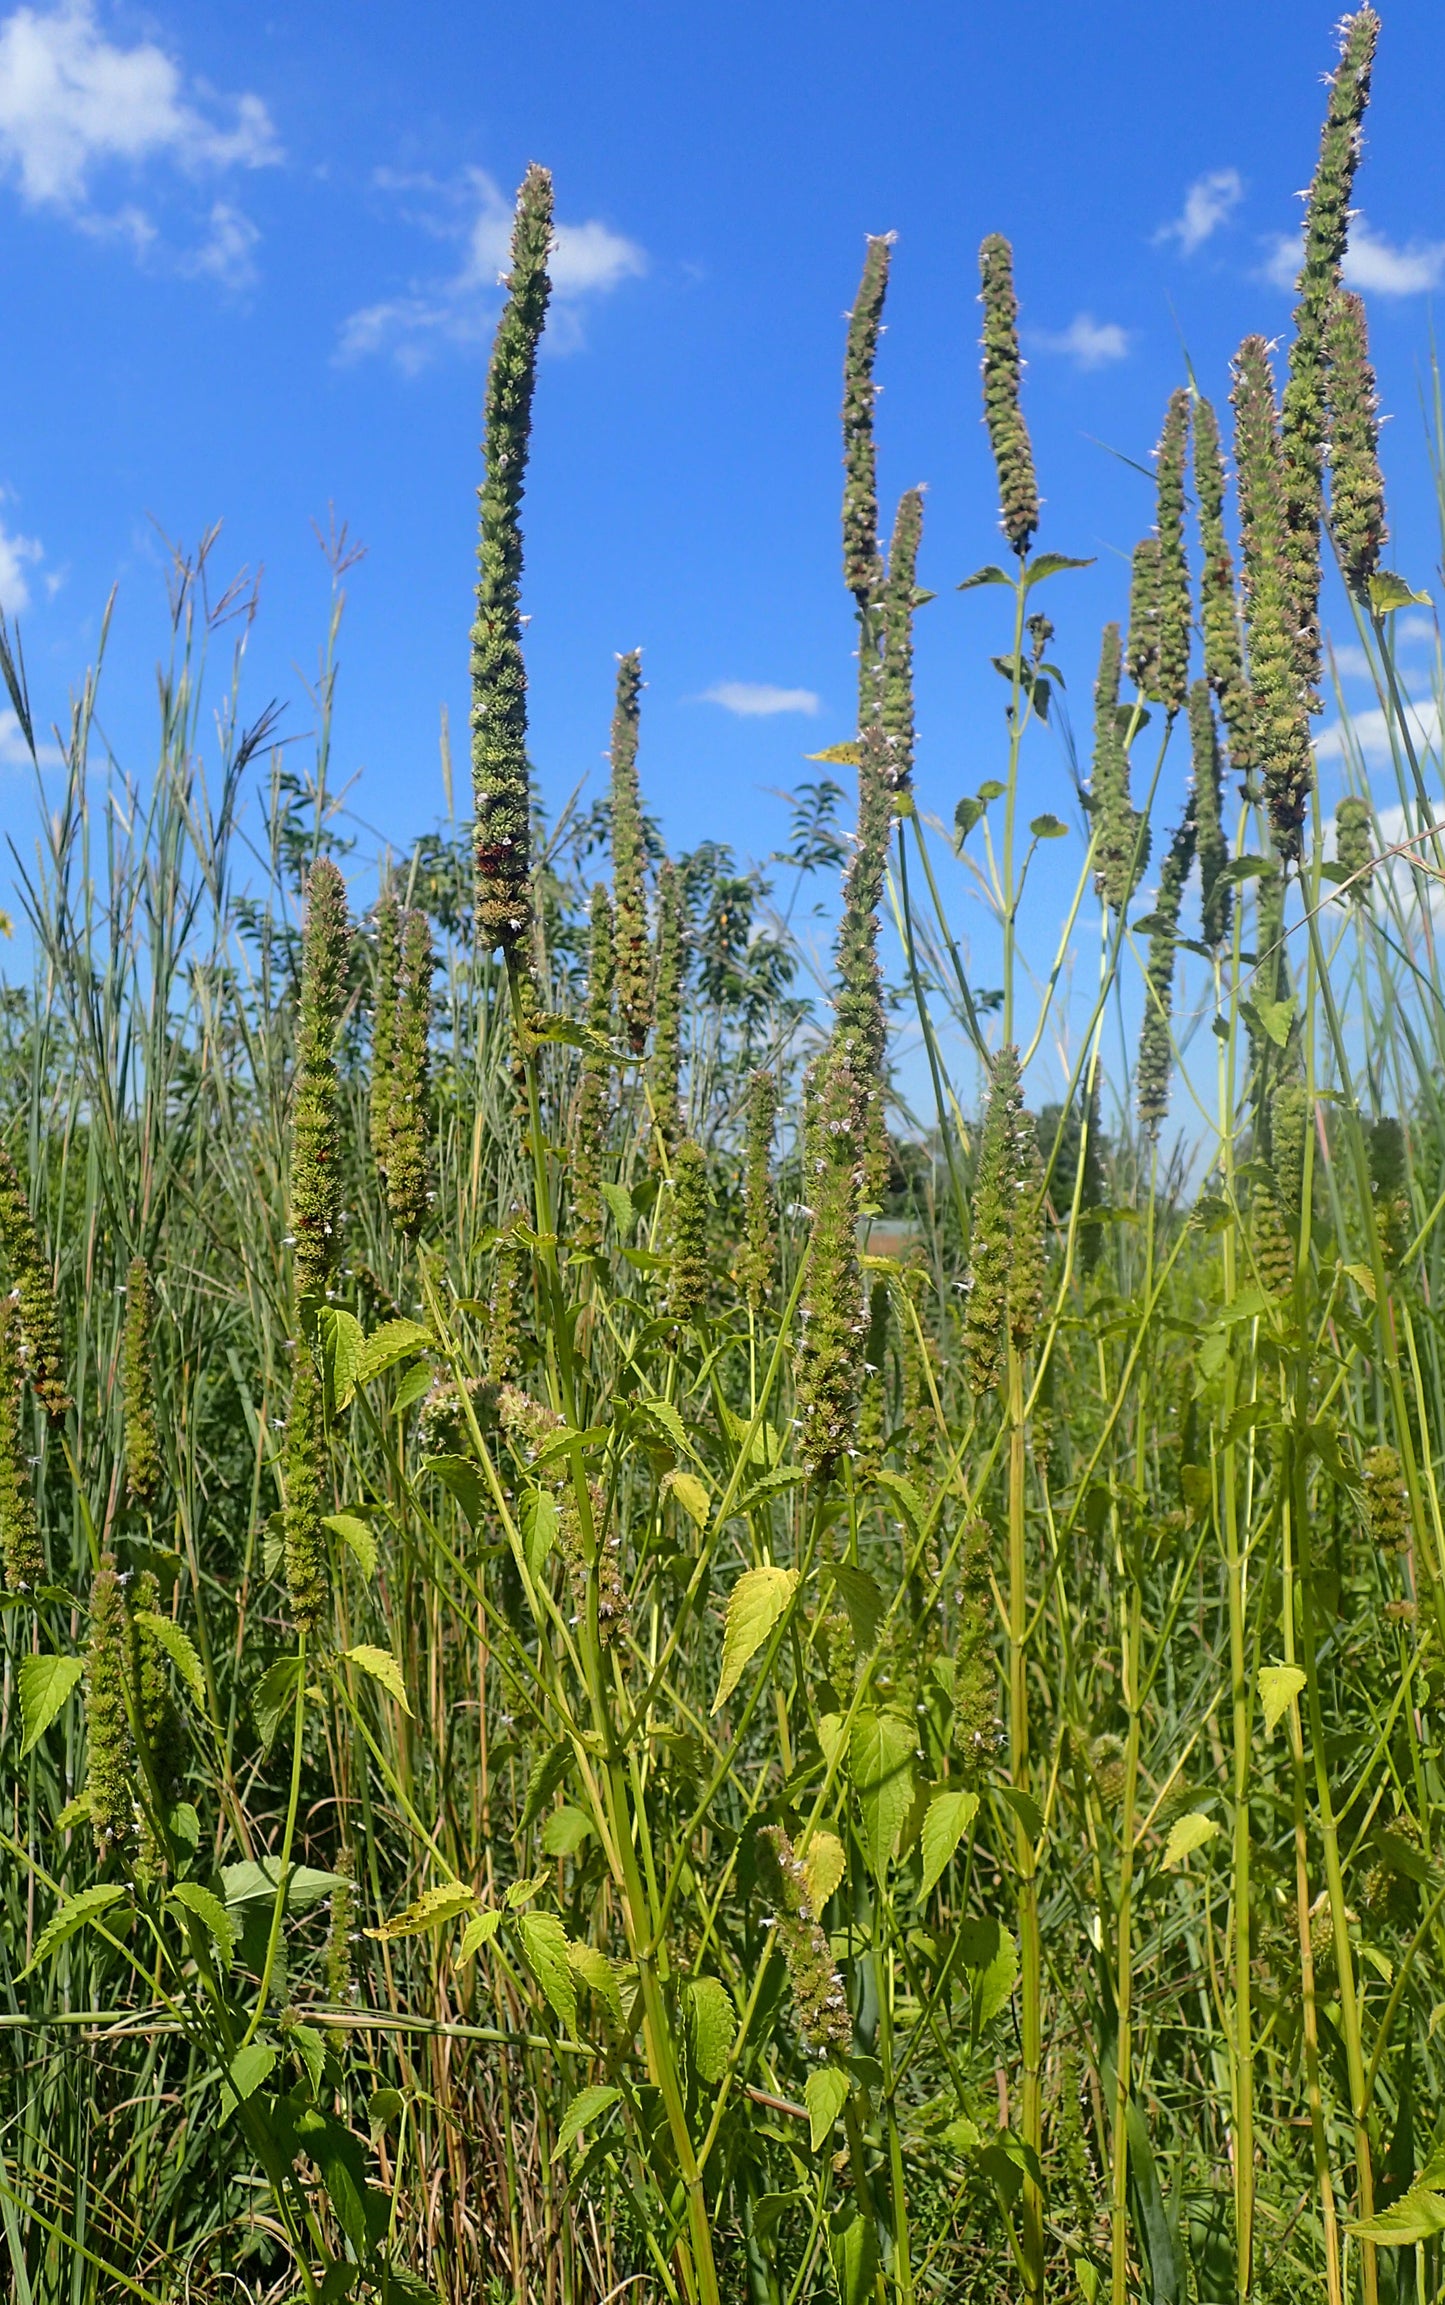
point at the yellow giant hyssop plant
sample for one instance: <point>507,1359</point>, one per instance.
<point>629,1675</point>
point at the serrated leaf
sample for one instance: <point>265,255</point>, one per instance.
<point>1049,564</point>
<point>461,1476</point>
<point>274,1695</point>
<point>825,2093</point>
<point>72,1917</point>
<point>824,1863</point>
<point>255,1881</point>
<point>342,1343</point>
<point>668,1421</point>
<point>522,1892</point>
<point>1364,1280</point>
<point>544,1948</point>
<point>989,575</point>
<point>714,2024</point>
<point>773,1484</point>
<point>394,1341</point>
<point>1417,2216</point>
<point>949,1816</point>
<point>565,1831</point>
<point>755,1604</point>
<point>541,1520</point>
<point>310,2046</point>
<point>880,1763</point>
<point>74,1812</point>
<point>1048,828</point>
<point>211,1914</point>
<point>45,1685</point>
<point>863,1601</point>
<point>853,2248</point>
<point>691,1494</point>
<point>591,1964</point>
<point>584,2112</point>
<point>249,2068</point>
<point>1388,591</point>
<point>356,1537</point>
<point>443,1902</point>
<point>479,1931</point>
<point>1276,1016</point>
<point>548,1771</point>
<point>1278,1686</point>
<point>179,1647</point>
<point>620,1208</point>
<point>414,1386</point>
<point>383,1667</point>
<point>1187,1834</point>
<point>992,1956</point>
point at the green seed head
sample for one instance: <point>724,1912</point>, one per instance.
<point>665,1067</point>
<point>340,1979</point>
<point>156,1708</point>
<point>1004,1288</point>
<point>898,606</point>
<point>408,1171</point>
<point>1141,656</point>
<point>1208,808</point>
<point>1289,1117</point>
<point>1173,596</point>
<point>1121,837</point>
<point>760,1258</point>
<point>861,1030</point>
<point>688,1260</point>
<point>1357,485</point>
<point>110,1754</point>
<point>629,861</point>
<point>1387,1502</point>
<point>594,1090</point>
<point>500,772</point>
<point>828,1363</point>
<point>20,1547</point>
<point>316,1105</point>
<point>1271,614</point>
<point>860,477</point>
<point>1218,609</point>
<point>42,1355</point>
<point>504,1333</point>
<point>1390,1186</point>
<point>1156,1046</point>
<point>1354,842</point>
<point>308,1574</point>
<point>1002,366</point>
<point>976,1727</point>
<point>383,1025</point>
<point>138,1391</point>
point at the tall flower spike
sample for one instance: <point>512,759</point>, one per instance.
<point>157,1713</point>
<point>688,1245</point>
<point>861,1029</point>
<point>664,1072</point>
<point>899,600</point>
<point>1121,838</point>
<point>761,1253</point>
<point>629,862</point>
<point>110,1753</point>
<point>138,1388</point>
<point>1271,624</point>
<point>316,1109</point>
<point>593,1093</point>
<point>1218,612</point>
<point>1289,1116</point>
<point>820,2004</point>
<point>860,472</point>
<point>307,1567</point>
<point>40,1348</point>
<point>408,1172</point>
<point>500,776</point>
<point>1303,423</point>
<point>1005,1274</point>
<point>20,1546</point>
<point>504,1330</point>
<point>1354,843</point>
<point>1357,485</point>
<point>827,1367</point>
<point>1210,841</point>
<point>1156,1037</point>
<point>1008,434</point>
<point>1174,607</point>
<point>1141,653</point>
<point>383,1025</point>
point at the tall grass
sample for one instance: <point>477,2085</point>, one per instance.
<point>645,1683</point>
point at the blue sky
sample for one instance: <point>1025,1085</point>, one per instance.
<point>248,271</point>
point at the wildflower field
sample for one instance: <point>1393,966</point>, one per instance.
<point>629,1675</point>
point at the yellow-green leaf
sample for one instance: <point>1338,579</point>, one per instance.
<point>824,1864</point>
<point>1279,1685</point>
<point>479,1931</point>
<point>585,2110</point>
<point>544,1947</point>
<point>442,1902</point>
<point>179,1647</point>
<point>825,2093</point>
<point>383,1667</point>
<point>880,1763</point>
<point>1187,1834</point>
<point>212,1915</point>
<point>691,1494</point>
<point>73,1916</point>
<point>45,1684</point>
<point>949,1816</point>
<point>714,2023</point>
<point>356,1536</point>
<point>591,1964</point>
<point>755,1604</point>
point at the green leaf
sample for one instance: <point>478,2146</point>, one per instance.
<point>1276,1016</point>
<point>863,1601</point>
<point>255,1881</point>
<point>714,2024</point>
<point>45,1684</point>
<point>1388,591</point>
<point>414,1386</point>
<point>383,1667</point>
<point>544,1947</point>
<point>443,1902</point>
<point>249,2068</point>
<point>394,1341</point>
<point>691,1494</point>
<point>991,789</point>
<point>72,1917</point>
<point>967,815</point>
<point>342,1343</point>
<point>565,1831</point>
<point>1049,564</point>
<point>825,2093</point>
<point>583,2113</point>
<point>1278,1686</point>
<point>949,1816</point>
<point>1048,828</point>
<point>309,2045</point>
<point>597,1973</point>
<point>211,1914</point>
<point>898,1485</point>
<point>771,1485</point>
<point>461,1476</point>
<point>824,1864</point>
<point>541,1520</point>
<point>880,1763</point>
<point>179,1647</point>
<point>548,1771</point>
<point>479,1931</point>
<point>989,575</point>
<point>755,1604</point>
<point>853,2247</point>
<point>356,1536</point>
<point>620,1208</point>
<point>1417,2216</point>
<point>1187,1834</point>
<point>993,1958</point>
<point>274,1696</point>
<point>667,1420</point>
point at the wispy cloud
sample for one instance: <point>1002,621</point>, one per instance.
<point>758,699</point>
<point>1366,736</point>
<point>76,107</point>
<point>1372,262</point>
<point>17,554</point>
<point>459,307</point>
<point>1209,202</point>
<point>1088,342</point>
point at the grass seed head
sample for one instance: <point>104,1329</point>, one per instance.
<point>408,1169</point>
<point>1357,485</point>
<point>316,1167</point>
<point>308,1570</point>
<point>110,1752</point>
<point>1013,455</point>
<point>21,1550</point>
<point>1218,608</point>
<point>42,1354</point>
<point>629,861</point>
<point>860,475</point>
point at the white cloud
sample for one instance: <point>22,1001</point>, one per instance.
<point>1372,262</point>
<point>1367,734</point>
<point>757,699</point>
<point>17,553</point>
<point>228,253</point>
<point>587,259</point>
<point>1088,342</point>
<point>1349,660</point>
<point>74,104</point>
<point>1210,201</point>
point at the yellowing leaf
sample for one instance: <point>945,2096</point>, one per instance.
<point>949,1816</point>
<point>755,1604</point>
<point>1417,2216</point>
<point>1278,1686</point>
<point>394,1341</point>
<point>823,1863</point>
<point>691,1494</point>
<point>383,1667</point>
<point>443,1902</point>
<point>1189,1833</point>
